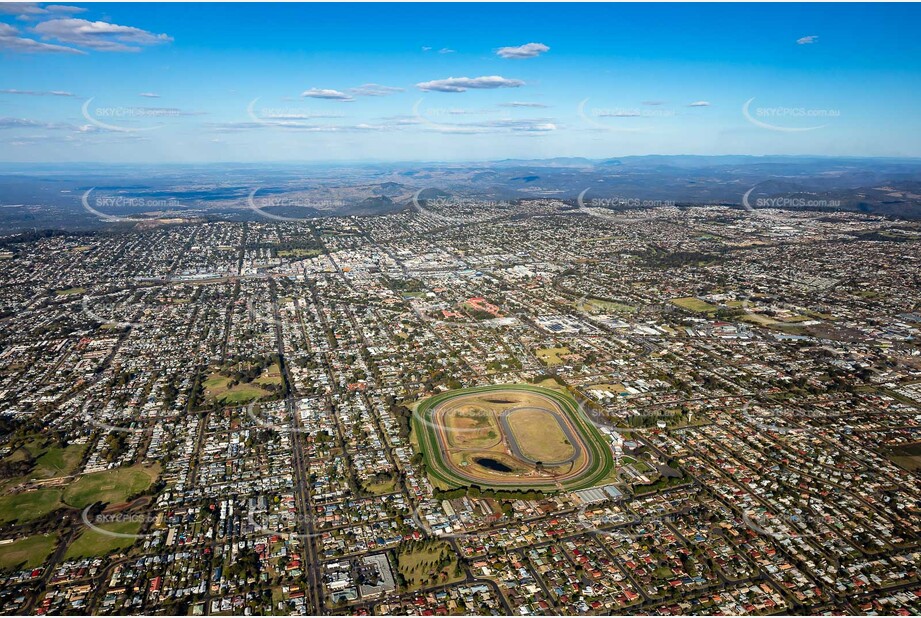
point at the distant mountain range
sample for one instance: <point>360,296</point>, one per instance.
<point>50,195</point>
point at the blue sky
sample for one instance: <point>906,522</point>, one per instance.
<point>451,82</point>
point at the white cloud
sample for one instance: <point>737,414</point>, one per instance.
<point>528,50</point>
<point>25,123</point>
<point>30,10</point>
<point>149,95</point>
<point>504,125</point>
<point>374,90</point>
<point>807,40</point>
<point>99,35</point>
<point>699,104</point>
<point>445,50</point>
<point>462,84</point>
<point>18,123</point>
<point>326,93</point>
<point>10,40</point>
<point>61,8</point>
<point>233,127</point>
<point>653,102</point>
<point>39,93</point>
<point>239,127</point>
<point>426,48</point>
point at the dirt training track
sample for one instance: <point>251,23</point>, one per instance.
<point>512,436</point>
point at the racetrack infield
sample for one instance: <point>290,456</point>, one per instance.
<point>513,436</point>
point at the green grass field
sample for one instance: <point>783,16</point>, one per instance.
<point>29,505</point>
<point>907,456</point>
<point>270,375</point>
<point>110,486</point>
<point>539,436</point>
<point>216,387</point>
<point>427,563</point>
<point>596,305</point>
<point>57,461</point>
<point>380,488</point>
<point>617,389</point>
<point>92,543</point>
<point>551,356</point>
<point>694,304</point>
<point>299,253</point>
<point>27,553</point>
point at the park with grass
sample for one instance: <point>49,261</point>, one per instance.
<point>58,461</point>
<point>426,563</point>
<point>92,543</point>
<point>552,356</point>
<point>27,553</point>
<point>39,458</point>
<point>244,382</point>
<point>597,305</point>
<point>694,304</point>
<point>29,505</point>
<point>112,487</point>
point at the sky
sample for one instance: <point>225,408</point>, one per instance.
<point>198,83</point>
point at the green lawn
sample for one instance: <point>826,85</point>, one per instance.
<point>379,488</point>
<point>216,387</point>
<point>110,486</point>
<point>694,304</point>
<point>299,253</point>
<point>27,553</point>
<point>270,375</point>
<point>92,543</point>
<point>29,505</point>
<point>596,305</point>
<point>551,356</point>
<point>58,461</point>
<point>427,563</point>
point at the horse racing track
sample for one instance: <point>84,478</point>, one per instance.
<point>510,437</point>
